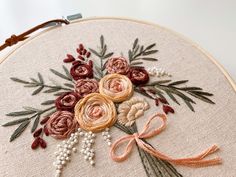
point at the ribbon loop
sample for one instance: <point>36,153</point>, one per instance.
<point>196,161</point>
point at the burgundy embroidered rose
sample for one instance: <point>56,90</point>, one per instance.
<point>67,101</point>
<point>81,70</point>
<point>61,124</point>
<point>117,65</point>
<point>84,87</point>
<point>138,75</point>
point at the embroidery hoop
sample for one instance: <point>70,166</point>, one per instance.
<point>37,35</point>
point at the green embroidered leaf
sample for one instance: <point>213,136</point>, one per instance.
<point>202,93</point>
<point>150,46</point>
<point>135,43</point>
<point>95,53</point>
<point>60,75</point>
<point>69,85</point>
<point>108,55</point>
<point>178,82</point>
<point>150,52</point>
<point>158,82</point>
<point>34,80</point>
<point>31,85</point>
<point>31,109</point>
<point>190,88</point>
<point>35,125</point>
<point>40,78</point>
<point>15,122</point>
<point>189,105</point>
<point>48,102</point>
<point>149,59</point>
<point>38,90</point>
<point>136,63</point>
<point>172,97</point>
<point>51,90</point>
<point>20,113</point>
<point>19,130</point>
<point>67,72</point>
<point>203,98</point>
<point>104,49</point>
<point>102,41</point>
<point>59,93</point>
<point>19,80</point>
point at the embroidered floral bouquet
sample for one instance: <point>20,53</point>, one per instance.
<point>98,94</point>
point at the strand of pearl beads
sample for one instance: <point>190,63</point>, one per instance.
<point>87,144</point>
<point>64,151</point>
<point>106,136</point>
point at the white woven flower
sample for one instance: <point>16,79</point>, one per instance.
<point>132,109</point>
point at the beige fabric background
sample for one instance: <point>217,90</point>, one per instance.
<point>187,133</point>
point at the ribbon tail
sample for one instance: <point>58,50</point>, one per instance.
<point>197,161</point>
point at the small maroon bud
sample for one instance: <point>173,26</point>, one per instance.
<point>35,143</point>
<point>168,109</point>
<point>37,132</point>
<point>42,143</point>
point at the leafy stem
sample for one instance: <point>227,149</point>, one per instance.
<point>139,53</point>
<point>172,89</point>
<point>40,85</point>
<point>32,113</point>
<point>102,54</point>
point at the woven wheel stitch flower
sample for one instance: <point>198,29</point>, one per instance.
<point>116,87</point>
<point>95,112</point>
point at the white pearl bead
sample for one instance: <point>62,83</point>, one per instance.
<point>76,134</point>
<point>74,150</point>
<point>92,150</point>
<point>109,143</point>
<point>86,134</point>
<point>91,141</point>
<point>59,166</point>
<point>81,133</point>
<point>63,162</point>
<point>93,135</point>
<point>58,171</point>
<point>79,129</point>
<point>75,141</point>
<point>90,132</point>
<point>86,157</point>
<point>92,162</point>
<point>67,158</point>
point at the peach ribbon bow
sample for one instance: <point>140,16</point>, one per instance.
<point>196,161</point>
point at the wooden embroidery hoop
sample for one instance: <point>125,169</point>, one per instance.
<point>209,56</point>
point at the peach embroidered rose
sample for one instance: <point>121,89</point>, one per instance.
<point>84,87</point>
<point>61,124</point>
<point>117,65</point>
<point>116,87</point>
<point>132,109</point>
<point>95,112</point>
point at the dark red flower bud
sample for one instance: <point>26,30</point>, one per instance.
<point>84,51</point>
<point>44,120</point>
<point>81,58</point>
<point>35,143</point>
<point>168,109</point>
<point>157,102</point>
<point>69,58</point>
<point>88,54</point>
<point>152,91</point>
<point>45,130</point>
<point>163,100</point>
<point>37,132</point>
<point>42,143</point>
<point>76,62</point>
<point>81,47</point>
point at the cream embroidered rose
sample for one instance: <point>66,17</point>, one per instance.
<point>84,87</point>
<point>132,109</point>
<point>61,124</point>
<point>116,87</point>
<point>95,112</point>
<point>117,65</point>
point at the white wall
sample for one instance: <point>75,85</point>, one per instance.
<point>210,23</point>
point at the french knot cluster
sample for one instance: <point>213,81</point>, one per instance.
<point>130,110</point>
